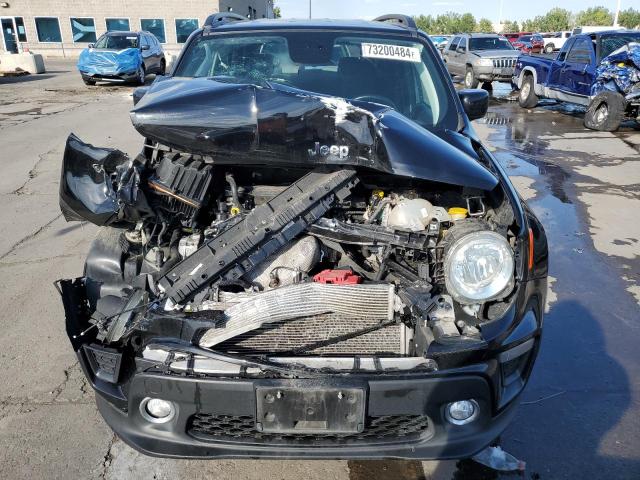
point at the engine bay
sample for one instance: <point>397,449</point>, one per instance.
<point>292,262</point>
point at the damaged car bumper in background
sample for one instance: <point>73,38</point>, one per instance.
<point>298,276</point>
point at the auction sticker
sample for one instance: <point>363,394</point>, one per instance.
<point>391,52</point>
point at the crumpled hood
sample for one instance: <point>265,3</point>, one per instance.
<point>108,61</point>
<point>496,53</point>
<point>247,124</point>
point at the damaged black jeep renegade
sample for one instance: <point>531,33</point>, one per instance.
<point>312,257</point>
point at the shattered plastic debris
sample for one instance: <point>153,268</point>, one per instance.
<point>498,459</point>
<point>620,71</point>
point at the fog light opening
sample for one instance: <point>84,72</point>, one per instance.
<point>462,412</point>
<point>156,410</point>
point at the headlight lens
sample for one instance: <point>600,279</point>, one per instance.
<point>486,62</point>
<point>479,267</point>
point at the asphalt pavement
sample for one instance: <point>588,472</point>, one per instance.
<point>580,414</point>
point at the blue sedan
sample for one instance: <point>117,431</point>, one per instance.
<point>122,57</point>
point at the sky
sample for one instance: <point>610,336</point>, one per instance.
<point>368,9</point>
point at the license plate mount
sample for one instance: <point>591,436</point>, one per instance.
<point>310,410</point>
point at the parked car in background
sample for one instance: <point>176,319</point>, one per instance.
<point>480,57</point>
<point>555,40</point>
<point>570,77</point>
<point>440,41</point>
<point>122,57</point>
<point>512,37</point>
<point>533,43</point>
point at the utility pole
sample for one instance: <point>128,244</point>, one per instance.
<point>615,19</point>
<point>309,9</point>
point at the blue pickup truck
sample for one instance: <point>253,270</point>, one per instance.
<point>571,75</point>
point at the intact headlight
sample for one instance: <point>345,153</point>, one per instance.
<point>479,267</point>
<point>485,62</point>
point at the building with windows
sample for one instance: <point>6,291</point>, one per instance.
<point>66,27</point>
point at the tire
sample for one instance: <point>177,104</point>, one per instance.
<point>142,75</point>
<point>488,86</point>
<point>527,97</point>
<point>549,48</point>
<point>163,67</point>
<point>88,82</point>
<point>605,112</point>
<point>470,80</point>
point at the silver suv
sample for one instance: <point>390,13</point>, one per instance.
<point>480,57</point>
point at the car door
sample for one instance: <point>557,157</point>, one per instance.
<point>555,80</point>
<point>580,67</point>
<point>157,53</point>
<point>451,53</point>
<point>146,52</point>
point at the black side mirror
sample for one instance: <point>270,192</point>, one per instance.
<point>475,102</point>
<point>144,47</point>
<point>90,45</point>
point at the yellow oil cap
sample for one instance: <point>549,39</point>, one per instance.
<point>457,213</point>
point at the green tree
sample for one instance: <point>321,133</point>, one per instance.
<point>425,23</point>
<point>467,23</point>
<point>555,20</point>
<point>510,27</point>
<point>276,12</point>
<point>595,16</point>
<point>629,18</point>
<point>484,26</point>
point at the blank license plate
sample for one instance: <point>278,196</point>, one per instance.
<point>310,410</point>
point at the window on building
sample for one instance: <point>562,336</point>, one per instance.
<point>48,29</point>
<point>155,26</point>
<point>83,30</point>
<point>184,28</point>
<point>22,33</point>
<point>117,24</point>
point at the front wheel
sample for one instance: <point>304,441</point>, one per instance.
<point>470,80</point>
<point>527,97</point>
<point>605,112</point>
<point>549,48</point>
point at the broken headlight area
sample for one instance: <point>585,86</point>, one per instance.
<point>220,269</point>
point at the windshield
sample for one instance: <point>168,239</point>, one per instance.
<point>610,43</point>
<point>490,43</point>
<point>117,42</point>
<point>396,72</point>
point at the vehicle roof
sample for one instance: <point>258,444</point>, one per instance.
<point>609,33</point>
<point>123,33</point>
<point>480,35</point>
<point>312,24</point>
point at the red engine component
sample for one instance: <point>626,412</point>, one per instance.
<point>337,277</point>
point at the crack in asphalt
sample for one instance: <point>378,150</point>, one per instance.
<point>108,458</point>
<point>33,173</point>
<point>17,245</point>
<point>42,260</point>
<point>9,119</point>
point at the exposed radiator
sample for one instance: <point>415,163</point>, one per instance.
<point>310,336</point>
<point>366,301</point>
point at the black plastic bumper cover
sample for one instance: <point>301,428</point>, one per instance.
<point>427,395</point>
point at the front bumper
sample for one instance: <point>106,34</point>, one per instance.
<point>215,418</point>
<point>116,77</point>
<point>494,74</point>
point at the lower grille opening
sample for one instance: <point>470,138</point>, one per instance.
<point>242,429</point>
